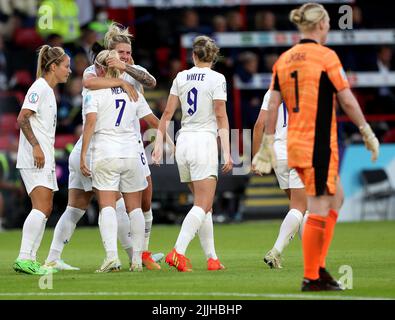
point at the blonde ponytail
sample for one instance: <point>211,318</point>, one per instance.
<point>46,56</point>
<point>101,60</point>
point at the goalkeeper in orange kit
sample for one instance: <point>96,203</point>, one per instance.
<point>308,77</point>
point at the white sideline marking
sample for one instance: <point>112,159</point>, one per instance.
<point>212,294</point>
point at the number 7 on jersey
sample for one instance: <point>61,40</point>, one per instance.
<point>119,103</point>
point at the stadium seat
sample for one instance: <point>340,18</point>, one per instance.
<point>8,123</point>
<point>22,78</point>
<point>377,194</point>
<point>5,143</point>
<point>389,136</point>
<point>27,38</point>
<point>62,140</point>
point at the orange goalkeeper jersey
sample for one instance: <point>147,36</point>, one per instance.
<point>308,75</point>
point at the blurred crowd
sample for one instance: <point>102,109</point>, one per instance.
<point>77,24</point>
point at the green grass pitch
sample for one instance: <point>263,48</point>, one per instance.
<point>368,247</point>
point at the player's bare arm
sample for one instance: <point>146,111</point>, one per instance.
<point>92,82</point>
<point>172,104</point>
<point>153,122</point>
<point>223,132</point>
<point>24,124</point>
<point>272,112</point>
<point>89,129</point>
<point>259,127</point>
<point>351,107</point>
<point>145,78</point>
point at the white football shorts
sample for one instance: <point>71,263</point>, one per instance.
<point>119,174</point>
<point>76,179</point>
<point>287,178</point>
<point>197,156</point>
<point>33,178</point>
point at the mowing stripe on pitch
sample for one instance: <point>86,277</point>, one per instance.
<point>193,294</point>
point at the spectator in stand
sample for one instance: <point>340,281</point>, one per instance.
<point>80,63</point>
<point>88,38</point>
<point>268,61</point>
<point>55,40</point>
<point>234,21</point>
<point>265,21</point>
<point>384,64</point>
<point>69,111</point>
<point>250,99</point>
<point>384,97</point>
<point>357,18</point>
<point>3,66</point>
<point>219,24</point>
<point>191,23</point>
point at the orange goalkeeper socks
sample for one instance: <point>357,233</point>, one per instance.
<point>329,231</point>
<point>312,242</point>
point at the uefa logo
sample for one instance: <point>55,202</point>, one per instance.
<point>33,97</point>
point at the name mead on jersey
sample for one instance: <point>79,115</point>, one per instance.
<point>117,90</point>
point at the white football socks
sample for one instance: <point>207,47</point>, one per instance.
<point>189,228</point>
<point>148,226</point>
<point>124,228</point>
<point>31,231</point>
<point>137,224</point>
<point>289,227</point>
<point>37,242</point>
<point>108,229</point>
<point>206,236</point>
<point>63,231</point>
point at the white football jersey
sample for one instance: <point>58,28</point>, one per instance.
<point>115,135</point>
<point>40,98</point>
<point>143,111</point>
<point>280,137</point>
<point>196,89</point>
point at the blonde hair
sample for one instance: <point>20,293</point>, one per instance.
<point>46,56</point>
<point>101,61</point>
<point>307,16</point>
<point>116,34</point>
<point>205,49</point>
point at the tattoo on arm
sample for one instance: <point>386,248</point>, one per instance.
<point>141,76</point>
<point>27,130</point>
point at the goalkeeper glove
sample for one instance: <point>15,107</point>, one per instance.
<point>265,159</point>
<point>371,142</point>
